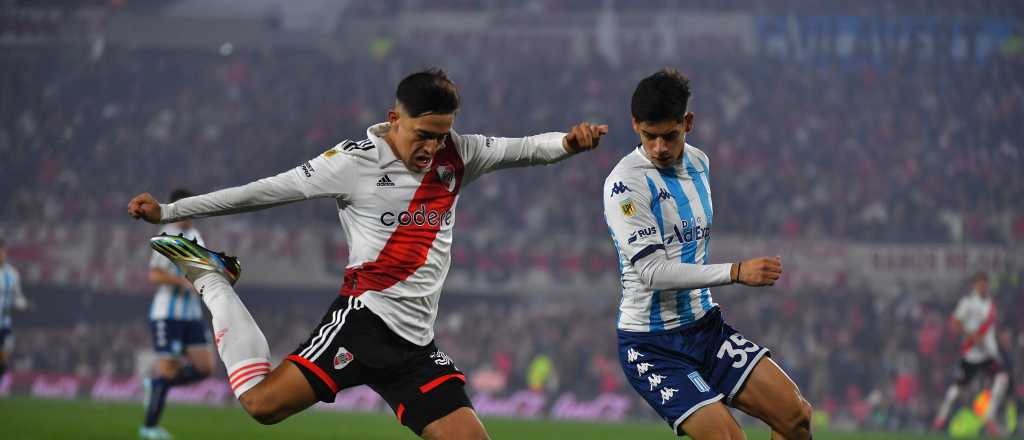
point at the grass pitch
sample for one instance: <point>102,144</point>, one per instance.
<point>35,419</point>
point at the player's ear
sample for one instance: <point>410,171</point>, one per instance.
<point>393,116</point>
<point>688,122</point>
<point>636,125</point>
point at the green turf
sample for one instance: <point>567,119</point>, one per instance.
<point>33,419</point>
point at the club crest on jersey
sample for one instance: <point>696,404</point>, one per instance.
<point>627,207</point>
<point>342,359</point>
<point>446,173</point>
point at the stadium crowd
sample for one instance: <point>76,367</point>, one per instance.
<point>870,154</point>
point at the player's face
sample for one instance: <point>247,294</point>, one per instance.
<point>981,286</point>
<point>664,141</point>
<point>417,140</point>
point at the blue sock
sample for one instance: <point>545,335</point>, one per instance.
<point>186,375</point>
<point>155,405</point>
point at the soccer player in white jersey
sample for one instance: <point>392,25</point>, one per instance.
<point>11,298</point>
<point>179,332</point>
<point>396,193</point>
<point>674,345</point>
<point>975,317</point>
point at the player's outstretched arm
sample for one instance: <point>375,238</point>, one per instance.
<point>327,175</point>
<point>261,194</point>
<point>637,234</point>
<point>485,154</point>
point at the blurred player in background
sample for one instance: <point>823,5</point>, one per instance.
<point>11,297</point>
<point>396,193</point>
<point>975,317</point>
<point>180,336</point>
<point>674,345</point>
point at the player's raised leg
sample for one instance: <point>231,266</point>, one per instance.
<point>770,395</point>
<point>241,344</point>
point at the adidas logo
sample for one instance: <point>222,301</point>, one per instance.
<point>385,181</point>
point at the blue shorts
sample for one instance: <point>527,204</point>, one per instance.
<point>173,336</point>
<point>679,371</point>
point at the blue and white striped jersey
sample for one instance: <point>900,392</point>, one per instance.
<point>10,294</point>
<point>657,213</point>
<point>174,302</point>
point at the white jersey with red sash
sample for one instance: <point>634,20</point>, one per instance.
<point>977,314</point>
<point>398,223</point>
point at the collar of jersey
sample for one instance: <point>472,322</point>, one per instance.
<point>385,156</point>
<point>679,168</point>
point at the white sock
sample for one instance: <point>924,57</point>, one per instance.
<point>951,393</point>
<point>241,344</point>
<point>998,391</point>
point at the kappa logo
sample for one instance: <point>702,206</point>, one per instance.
<point>385,181</point>
<point>663,194</point>
<point>342,359</point>
<point>667,393</point>
<point>446,173</point>
<point>632,355</point>
<point>619,188</point>
<point>655,380</point>
<point>642,368</point>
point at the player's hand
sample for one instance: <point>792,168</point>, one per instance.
<point>583,137</point>
<point>146,207</point>
<point>757,272</point>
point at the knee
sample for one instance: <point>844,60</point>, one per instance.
<point>797,423</point>
<point>263,410</point>
<point>167,370</point>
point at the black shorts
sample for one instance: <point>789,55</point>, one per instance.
<point>5,337</point>
<point>969,370</point>
<point>353,346</point>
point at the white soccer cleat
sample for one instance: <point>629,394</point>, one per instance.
<point>154,433</point>
<point>195,260</point>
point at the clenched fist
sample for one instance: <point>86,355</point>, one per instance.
<point>757,272</point>
<point>146,207</point>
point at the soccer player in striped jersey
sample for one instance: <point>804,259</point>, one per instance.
<point>181,338</point>
<point>975,317</point>
<point>396,193</point>
<point>11,297</point>
<point>674,345</point>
